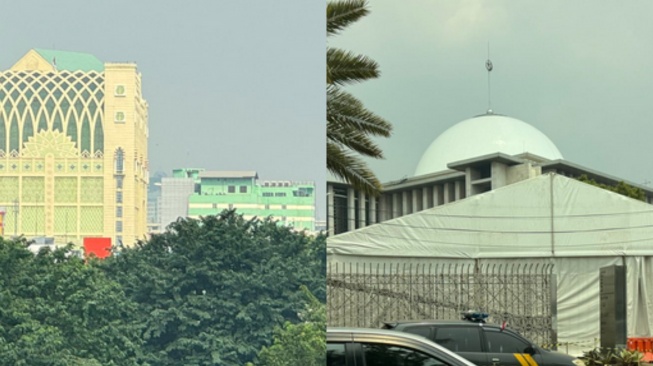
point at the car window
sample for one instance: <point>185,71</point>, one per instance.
<point>459,339</point>
<point>336,354</point>
<point>389,355</point>
<point>500,342</point>
<point>422,330</point>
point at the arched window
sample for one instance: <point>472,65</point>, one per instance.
<point>71,130</point>
<point>14,135</point>
<point>56,124</point>
<point>86,134</point>
<point>43,122</point>
<point>120,160</point>
<point>98,136</point>
<point>28,127</point>
<point>3,134</point>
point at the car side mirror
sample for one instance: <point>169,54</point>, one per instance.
<point>530,350</point>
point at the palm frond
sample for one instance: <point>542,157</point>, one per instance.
<point>343,109</point>
<point>349,124</point>
<point>342,13</point>
<point>344,67</point>
<point>352,170</point>
<point>355,141</point>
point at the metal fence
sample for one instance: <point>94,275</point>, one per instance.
<point>365,295</point>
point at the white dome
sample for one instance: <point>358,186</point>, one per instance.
<point>483,135</point>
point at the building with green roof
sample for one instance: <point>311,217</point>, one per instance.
<point>196,192</point>
<point>73,148</point>
<point>71,61</point>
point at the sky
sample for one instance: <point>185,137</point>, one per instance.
<point>231,85</point>
<point>579,71</point>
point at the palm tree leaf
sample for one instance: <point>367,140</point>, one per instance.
<point>356,141</point>
<point>352,170</point>
<point>349,124</point>
<point>340,14</point>
<point>345,67</point>
<point>343,109</point>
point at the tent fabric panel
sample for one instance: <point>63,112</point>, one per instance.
<point>587,221</point>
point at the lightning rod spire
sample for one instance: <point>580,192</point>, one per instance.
<point>489,67</point>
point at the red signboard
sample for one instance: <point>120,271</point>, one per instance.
<point>99,247</point>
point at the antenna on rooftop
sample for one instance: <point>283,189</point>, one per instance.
<point>489,67</point>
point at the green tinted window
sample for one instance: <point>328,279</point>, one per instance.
<point>57,124</point>
<point>3,134</point>
<point>79,107</point>
<point>72,128</point>
<point>65,105</point>
<point>28,128</point>
<point>14,139</point>
<point>49,106</point>
<point>86,134</point>
<point>92,107</point>
<point>43,122</point>
<point>98,136</point>
<point>35,105</point>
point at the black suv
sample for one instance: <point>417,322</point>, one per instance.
<point>485,344</point>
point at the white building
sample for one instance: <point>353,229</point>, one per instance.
<point>491,197</point>
<point>474,156</point>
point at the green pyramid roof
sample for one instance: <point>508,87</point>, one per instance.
<point>72,61</point>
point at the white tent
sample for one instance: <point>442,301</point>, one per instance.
<point>577,227</point>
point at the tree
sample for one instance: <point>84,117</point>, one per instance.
<point>205,292</point>
<point>622,188</point>
<point>299,344</point>
<point>57,310</point>
<point>211,291</point>
<point>349,124</point>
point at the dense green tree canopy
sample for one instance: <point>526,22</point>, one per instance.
<point>621,188</point>
<point>206,292</point>
<point>299,344</point>
<point>56,310</point>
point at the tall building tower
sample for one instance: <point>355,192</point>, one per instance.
<point>73,148</point>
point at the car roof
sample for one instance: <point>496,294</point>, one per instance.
<point>339,334</point>
<point>437,321</point>
<point>370,331</point>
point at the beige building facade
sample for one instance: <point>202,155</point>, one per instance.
<point>73,148</point>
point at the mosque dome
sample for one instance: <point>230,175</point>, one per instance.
<point>483,135</point>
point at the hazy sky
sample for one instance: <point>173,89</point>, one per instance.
<point>231,85</point>
<point>579,71</point>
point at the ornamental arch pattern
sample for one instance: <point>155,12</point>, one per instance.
<point>32,102</point>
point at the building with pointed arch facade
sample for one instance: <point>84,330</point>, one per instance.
<point>73,148</point>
